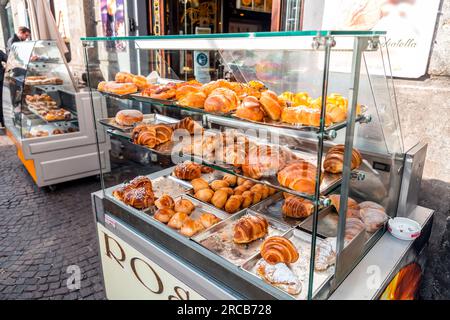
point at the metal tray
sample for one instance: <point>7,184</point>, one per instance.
<point>72,116</point>
<point>200,208</point>
<point>140,97</point>
<point>221,236</point>
<point>327,223</point>
<point>271,207</point>
<point>209,177</point>
<point>302,241</point>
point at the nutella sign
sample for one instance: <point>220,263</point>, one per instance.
<point>128,274</point>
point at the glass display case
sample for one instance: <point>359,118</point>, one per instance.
<point>291,149</point>
<point>45,113</point>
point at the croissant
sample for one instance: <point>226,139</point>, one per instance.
<point>299,175</point>
<point>233,204</point>
<point>165,201</point>
<point>230,179</point>
<point>140,198</point>
<point>144,135</point>
<point>221,100</point>
<point>373,216</point>
<point>208,219</point>
<point>177,220</point>
<point>199,184</point>
<point>188,170</point>
<point>353,210</point>
<point>163,133</point>
<point>271,105</point>
<point>250,109</point>
<point>141,182</point>
<point>249,228</point>
<point>334,160</point>
<point>278,249</point>
<point>263,161</point>
<point>164,214</point>
<point>184,205</point>
<point>188,124</point>
<point>191,227</point>
<point>296,207</point>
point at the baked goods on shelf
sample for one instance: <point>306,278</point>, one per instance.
<point>303,116</point>
<point>299,175</point>
<point>204,195</point>
<point>372,215</point>
<point>208,220</point>
<point>185,206</point>
<point>151,135</point>
<point>188,124</point>
<point>177,220</point>
<point>296,207</point>
<point>193,100</point>
<point>325,254</point>
<point>250,109</point>
<point>353,210</point>
<point>199,184</point>
<point>191,227</point>
<point>334,159</point>
<point>188,170</point>
<point>279,275</point>
<point>230,179</point>
<point>164,214</point>
<point>233,203</point>
<point>128,117</point>
<point>265,161</point>
<point>59,114</point>
<point>137,193</point>
<point>278,249</point>
<point>42,80</point>
<point>219,198</point>
<point>165,201</point>
<point>271,105</point>
<point>117,88</point>
<point>353,226</point>
<point>123,77</point>
<point>218,184</point>
<point>161,92</point>
<point>250,228</point>
<point>221,100</point>
<point>58,131</point>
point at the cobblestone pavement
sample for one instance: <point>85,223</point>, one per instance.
<point>44,232</point>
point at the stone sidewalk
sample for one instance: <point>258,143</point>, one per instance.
<point>44,232</point>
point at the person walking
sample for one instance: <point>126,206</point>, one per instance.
<point>23,33</point>
<point>3,58</point>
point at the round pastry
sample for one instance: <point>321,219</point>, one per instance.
<point>184,205</point>
<point>204,195</point>
<point>164,214</point>
<point>217,184</point>
<point>199,184</point>
<point>279,250</point>
<point>165,201</point>
<point>250,109</point>
<point>128,117</point>
<point>271,105</point>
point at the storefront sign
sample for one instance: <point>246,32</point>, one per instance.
<point>128,274</point>
<point>409,26</point>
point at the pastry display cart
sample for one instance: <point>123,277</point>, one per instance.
<point>276,183</point>
<point>48,118</point>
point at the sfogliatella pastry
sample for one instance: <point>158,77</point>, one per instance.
<point>250,228</point>
<point>296,207</point>
<point>188,170</point>
<point>299,175</point>
<point>164,214</point>
<point>325,254</point>
<point>184,205</point>
<point>208,220</point>
<point>280,276</point>
<point>128,117</point>
<point>279,249</point>
<point>334,160</point>
<point>250,109</point>
<point>165,201</point>
<point>191,227</point>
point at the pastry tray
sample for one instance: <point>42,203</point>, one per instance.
<point>200,208</point>
<point>284,125</point>
<point>221,236</point>
<point>271,207</point>
<point>150,118</point>
<point>138,96</point>
<point>115,95</point>
<point>302,241</point>
<point>327,223</point>
<point>72,115</point>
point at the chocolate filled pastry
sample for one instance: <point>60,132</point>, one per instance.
<point>279,249</point>
<point>164,214</point>
<point>128,117</point>
<point>184,205</point>
<point>218,184</point>
<point>219,198</point>
<point>233,204</point>
<point>191,227</point>
<point>208,220</point>
<point>199,184</point>
<point>295,207</point>
<point>280,276</point>
<point>204,195</point>
<point>165,201</point>
<point>334,160</point>
<point>188,170</point>
<point>177,220</point>
<point>250,228</point>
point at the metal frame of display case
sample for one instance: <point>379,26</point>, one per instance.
<point>322,40</point>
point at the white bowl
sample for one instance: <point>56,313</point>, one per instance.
<point>404,228</point>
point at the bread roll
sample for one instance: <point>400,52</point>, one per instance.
<point>204,195</point>
<point>217,184</point>
<point>219,198</point>
<point>231,179</point>
<point>233,204</point>
<point>247,199</point>
<point>184,205</point>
